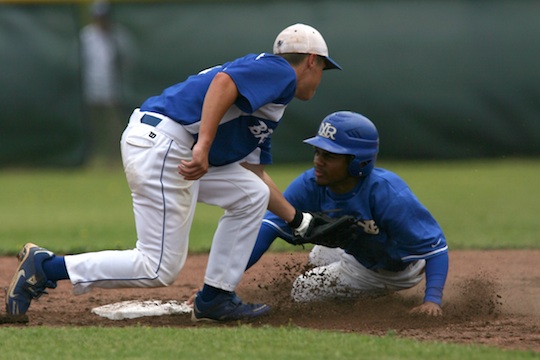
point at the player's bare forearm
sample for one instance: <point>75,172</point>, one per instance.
<point>221,95</point>
<point>277,204</point>
<point>298,221</point>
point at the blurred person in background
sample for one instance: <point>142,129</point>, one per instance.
<point>106,54</point>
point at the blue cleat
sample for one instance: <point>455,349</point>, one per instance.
<point>226,307</point>
<point>29,281</point>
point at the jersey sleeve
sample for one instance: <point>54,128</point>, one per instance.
<point>261,80</point>
<point>436,273</point>
<point>265,238</point>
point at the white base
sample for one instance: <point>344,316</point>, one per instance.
<point>135,308</point>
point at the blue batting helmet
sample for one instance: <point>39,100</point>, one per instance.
<point>349,133</point>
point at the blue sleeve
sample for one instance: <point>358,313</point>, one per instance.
<point>261,80</point>
<point>436,272</point>
<point>267,235</point>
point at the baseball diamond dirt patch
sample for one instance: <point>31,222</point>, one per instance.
<point>491,298</point>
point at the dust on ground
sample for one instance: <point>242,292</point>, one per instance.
<point>491,298</point>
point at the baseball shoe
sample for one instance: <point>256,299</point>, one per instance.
<point>226,307</point>
<point>29,281</point>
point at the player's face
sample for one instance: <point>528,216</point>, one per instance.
<point>308,80</point>
<point>332,170</point>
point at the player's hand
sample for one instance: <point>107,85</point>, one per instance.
<point>428,308</point>
<point>191,299</point>
<point>196,167</point>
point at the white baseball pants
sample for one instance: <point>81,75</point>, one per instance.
<point>340,275</point>
<point>164,205</point>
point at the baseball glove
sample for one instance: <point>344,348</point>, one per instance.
<point>327,231</point>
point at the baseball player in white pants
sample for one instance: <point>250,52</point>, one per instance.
<point>159,193</point>
<point>339,275</point>
<point>204,139</point>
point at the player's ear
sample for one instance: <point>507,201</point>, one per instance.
<point>314,60</point>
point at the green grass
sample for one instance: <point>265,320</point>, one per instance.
<point>241,342</point>
<point>480,205</point>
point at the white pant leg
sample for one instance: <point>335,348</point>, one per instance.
<point>322,255</point>
<point>244,197</point>
<point>163,205</point>
<point>348,278</point>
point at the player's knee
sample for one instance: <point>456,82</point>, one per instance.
<point>169,273</point>
<point>322,255</point>
<point>167,279</point>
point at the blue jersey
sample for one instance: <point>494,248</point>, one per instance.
<point>266,84</point>
<point>406,229</point>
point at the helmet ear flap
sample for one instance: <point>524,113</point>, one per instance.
<point>358,168</point>
<point>355,167</point>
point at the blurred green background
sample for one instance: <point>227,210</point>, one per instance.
<point>488,204</point>
<point>441,79</point>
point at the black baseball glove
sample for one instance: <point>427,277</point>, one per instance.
<point>327,231</point>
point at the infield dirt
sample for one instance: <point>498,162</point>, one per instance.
<point>491,298</point>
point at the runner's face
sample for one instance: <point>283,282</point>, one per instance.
<point>332,170</point>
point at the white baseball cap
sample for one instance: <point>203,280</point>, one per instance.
<point>303,39</point>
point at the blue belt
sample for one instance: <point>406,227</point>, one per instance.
<point>150,120</point>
